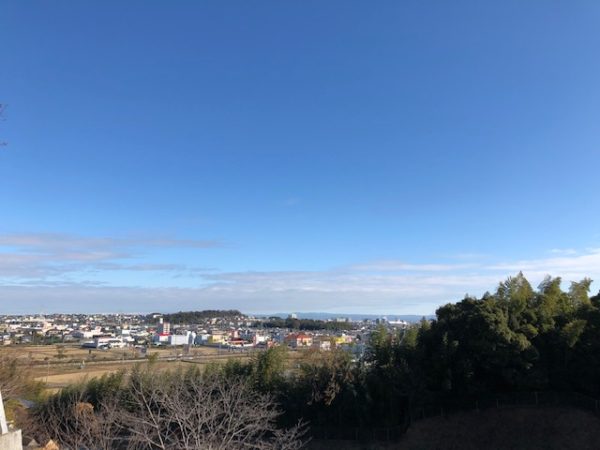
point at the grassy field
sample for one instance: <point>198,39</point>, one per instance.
<point>62,377</point>
<point>59,367</point>
<point>28,354</point>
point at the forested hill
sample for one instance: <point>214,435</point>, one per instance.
<point>304,324</point>
<point>201,316</point>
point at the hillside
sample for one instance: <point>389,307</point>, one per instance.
<point>495,429</point>
<point>512,428</point>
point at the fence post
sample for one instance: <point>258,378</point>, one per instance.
<point>536,398</point>
<point>477,405</point>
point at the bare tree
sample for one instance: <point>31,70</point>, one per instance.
<point>10,384</point>
<point>74,423</point>
<point>168,411</point>
<point>202,412</point>
<point>14,381</point>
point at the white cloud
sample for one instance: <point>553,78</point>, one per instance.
<point>563,251</point>
<point>399,266</point>
<point>36,272</point>
<point>569,267</point>
<point>38,255</point>
<point>58,242</point>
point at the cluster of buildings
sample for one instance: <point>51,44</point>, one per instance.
<point>241,338</point>
<point>127,330</point>
<point>118,330</point>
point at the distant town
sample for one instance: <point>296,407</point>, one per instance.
<point>230,330</point>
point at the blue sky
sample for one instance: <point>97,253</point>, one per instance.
<point>337,156</point>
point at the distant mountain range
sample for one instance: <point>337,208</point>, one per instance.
<point>355,317</point>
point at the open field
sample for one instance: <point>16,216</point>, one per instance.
<point>52,354</point>
<point>60,378</point>
<point>60,368</point>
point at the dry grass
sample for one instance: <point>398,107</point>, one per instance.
<point>27,354</point>
<point>79,364</point>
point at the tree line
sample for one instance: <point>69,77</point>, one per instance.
<point>303,324</point>
<point>201,316</point>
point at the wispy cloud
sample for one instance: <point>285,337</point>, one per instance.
<point>469,256</point>
<point>54,242</point>
<point>35,270</point>
<point>400,266</point>
<point>570,267</point>
<point>563,251</point>
<point>39,255</point>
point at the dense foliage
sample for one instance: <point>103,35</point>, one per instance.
<point>515,340</point>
